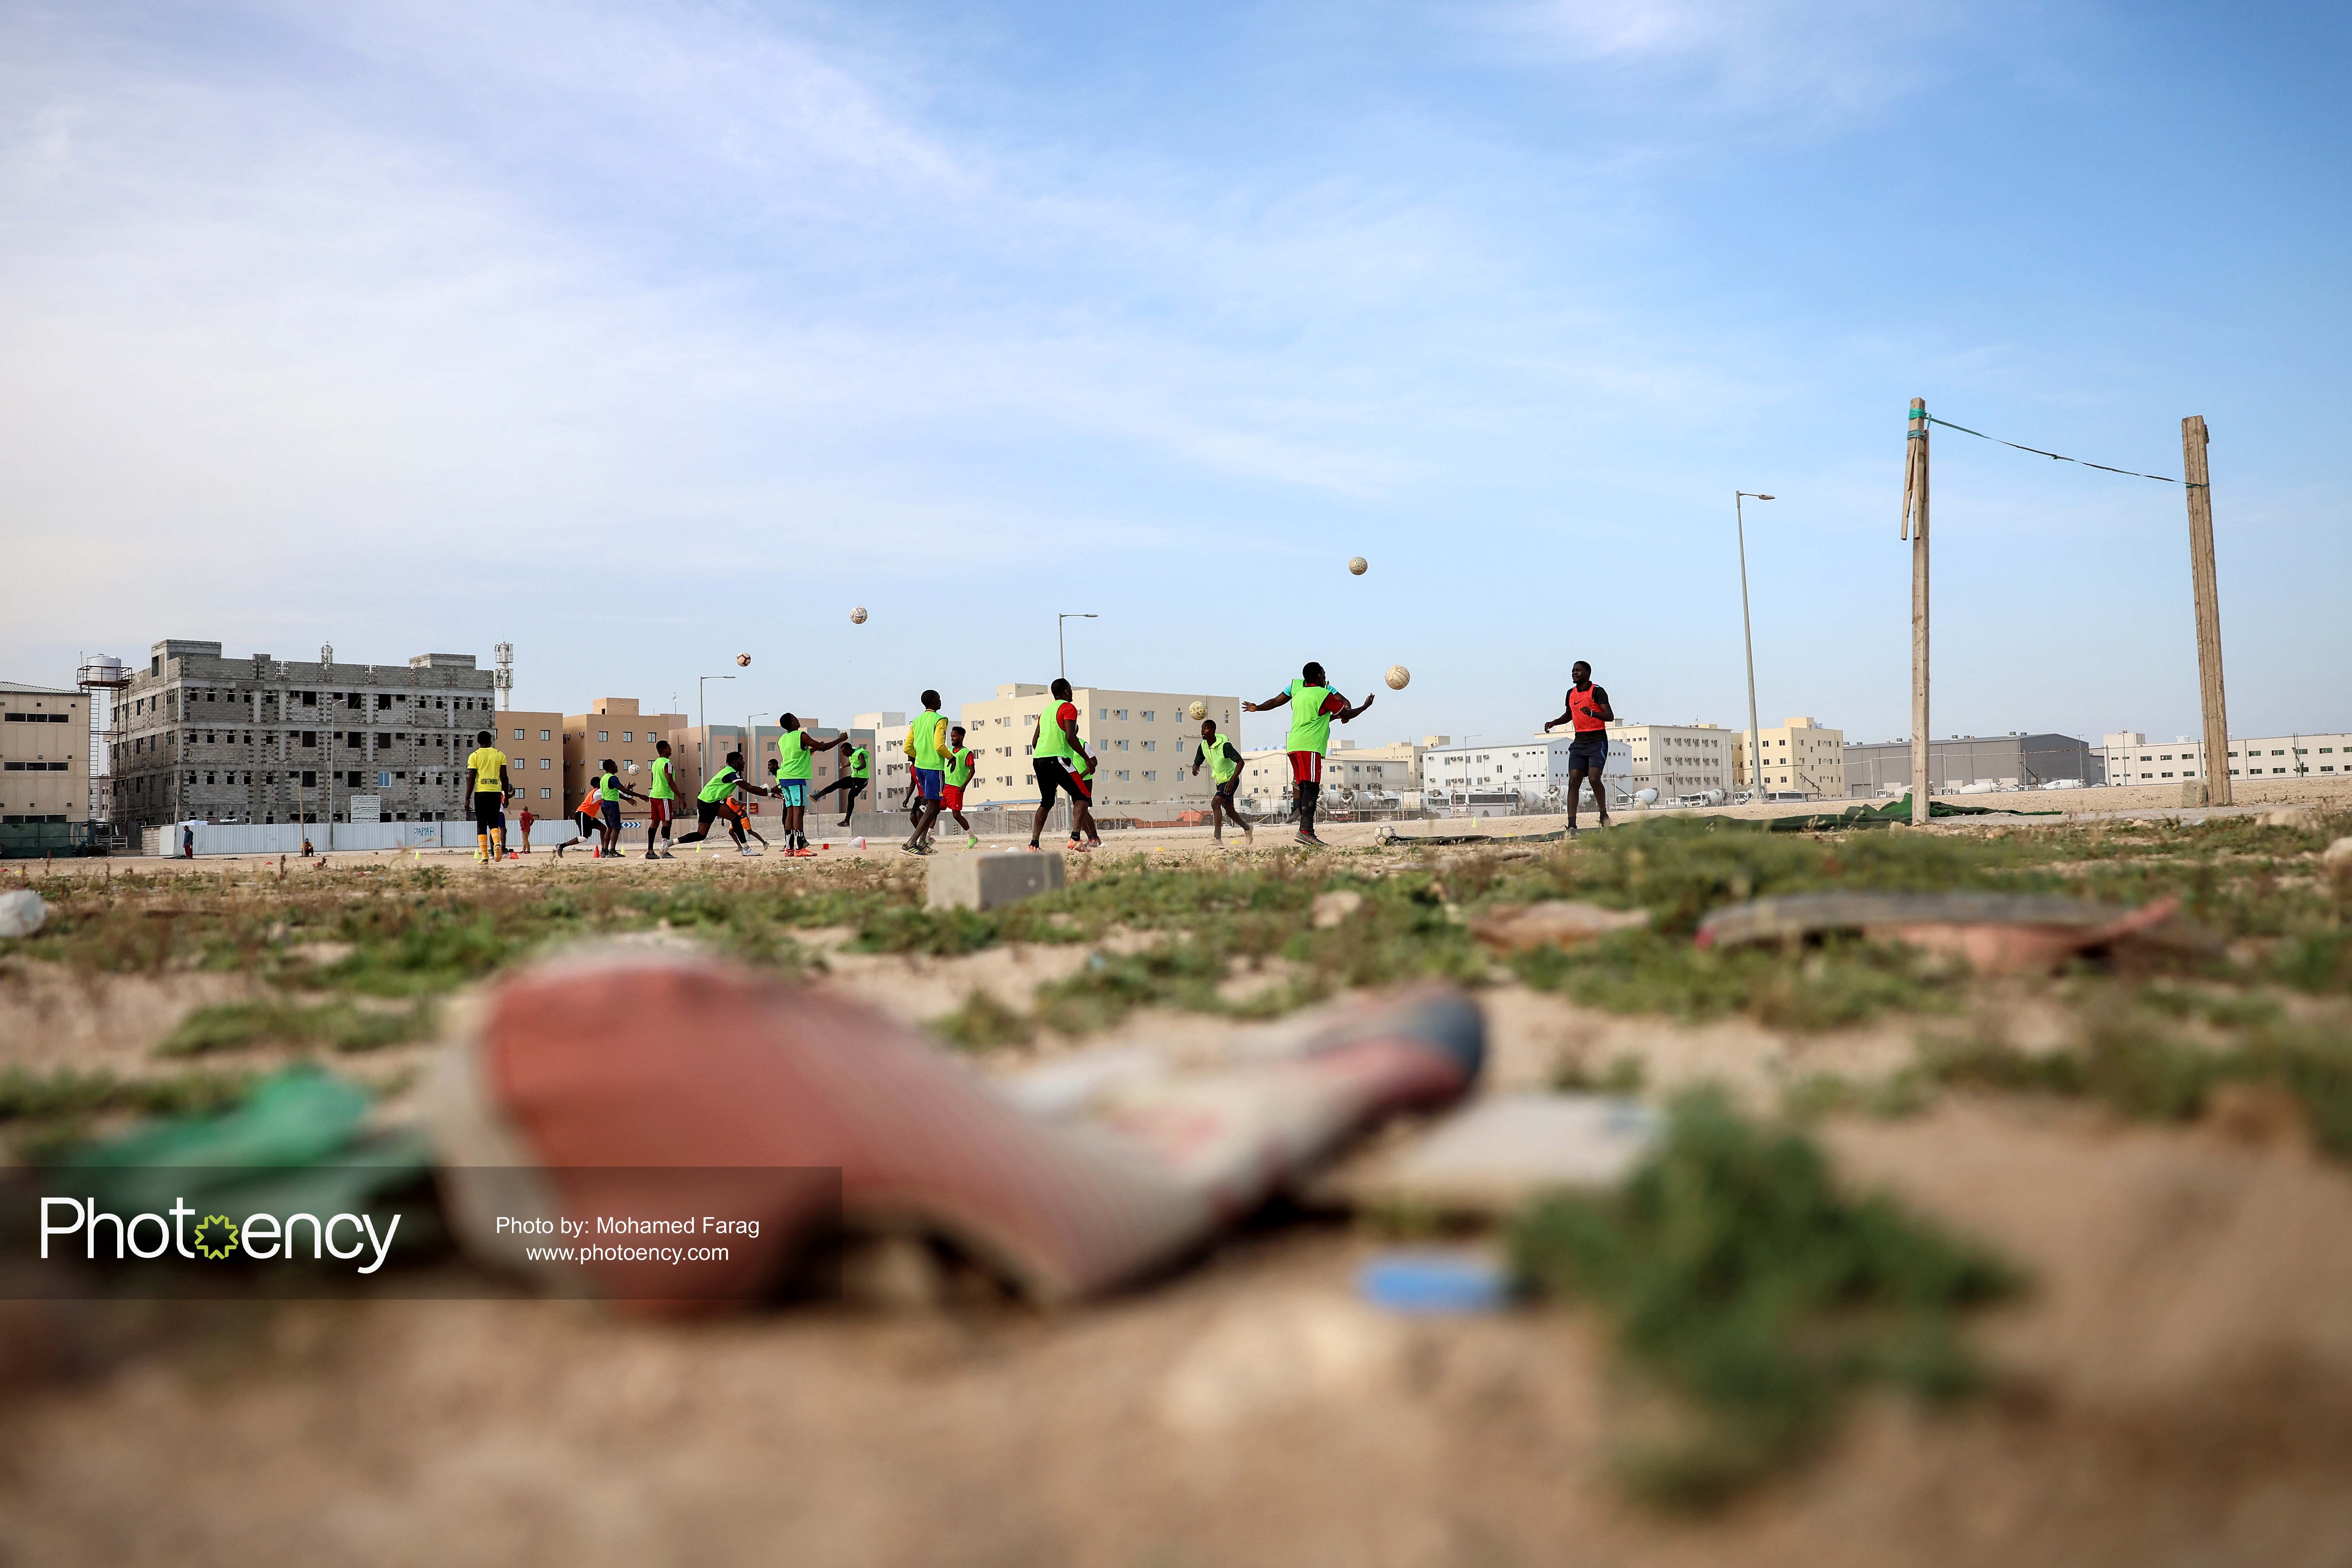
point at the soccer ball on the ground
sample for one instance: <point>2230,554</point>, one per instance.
<point>857,616</point>
<point>742,658</point>
<point>1398,676</point>
<point>1198,710</point>
<point>1358,565</point>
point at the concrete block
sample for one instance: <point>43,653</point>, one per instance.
<point>992,881</point>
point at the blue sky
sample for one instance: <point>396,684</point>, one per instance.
<point>641,336</point>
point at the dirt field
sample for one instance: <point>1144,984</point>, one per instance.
<point>2173,1386</point>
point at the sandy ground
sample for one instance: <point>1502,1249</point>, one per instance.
<point>2252,797</point>
<point>2176,1388</point>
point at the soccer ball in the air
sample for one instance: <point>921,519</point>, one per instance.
<point>857,616</point>
<point>1398,676</point>
<point>1198,710</point>
<point>1358,565</point>
<point>742,658</point>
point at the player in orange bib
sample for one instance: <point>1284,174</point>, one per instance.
<point>1587,755</point>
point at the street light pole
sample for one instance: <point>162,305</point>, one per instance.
<point>1747,632</point>
<point>702,723</point>
<point>1062,648</point>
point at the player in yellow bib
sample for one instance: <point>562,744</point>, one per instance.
<point>1313,705</point>
<point>1225,766</point>
<point>485,769</point>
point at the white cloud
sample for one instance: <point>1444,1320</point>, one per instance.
<point>1812,60</point>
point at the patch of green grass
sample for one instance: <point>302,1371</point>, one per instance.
<point>1816,1095</point>
<point>2317,961</point>
<point>982,1023</point>
<point>1844,981</point>
<point>1182,974</point>
<point>1625,1074</point>
<point>27,1094</point>
<point>1737,1277</point>
<point>2134,1066</point>
<point>1679,868</point>
<point>340,1026</point>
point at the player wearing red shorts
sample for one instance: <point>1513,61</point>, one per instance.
<point>1313,705</point>
<point>959,765</point>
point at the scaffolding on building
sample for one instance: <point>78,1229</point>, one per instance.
<point>102,678</point>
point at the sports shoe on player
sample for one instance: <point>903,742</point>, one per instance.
<point>747,853</point>
<point>1311,842</point>
<point>972,840</point>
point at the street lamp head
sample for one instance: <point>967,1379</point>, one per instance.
<point>1763,498</point>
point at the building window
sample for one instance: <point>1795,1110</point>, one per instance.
<point>602,735</point>
<point>544,792</point>
<point>542,762</point>
<point>543,735</point>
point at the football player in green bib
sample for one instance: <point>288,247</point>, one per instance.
<point>1313,705</point>
<point>1225,766</point>
<point>717,800</point>
<point>959,766</point>
<point>856,773</point>
<point>661,803</point>
<point>794,766</point>
<point>609,791</point>
<point>927,756</point>
<point>1059,758</point>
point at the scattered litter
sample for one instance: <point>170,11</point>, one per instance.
<point>300,1141</point>
<point>1559,922</point>
<point>22,912</point>
<point>620,1061</point>
<point>1429,1284</point>
<point>1998,933</point>
<point>1501,1152</point>
<point>1894,814</point>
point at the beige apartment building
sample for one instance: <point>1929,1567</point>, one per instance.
<point>1676,759</point>
<point>533,743</point>
<point>1407,754</point>
<point>44,754</point>
<point>1143,742</point>
<point>614,726</point>
<point>1266,781</point>
<point>1801,757</point>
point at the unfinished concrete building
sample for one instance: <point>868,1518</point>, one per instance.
<point>256,739</point>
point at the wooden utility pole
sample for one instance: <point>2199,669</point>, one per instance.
<point>2195,481</point>
<point>1915,528</point>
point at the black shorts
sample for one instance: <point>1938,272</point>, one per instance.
<point>612,815</point>
<point>489,811</point>
<point>1053,773</point>
<point>708,811</point>
<point>1592,756</point>
<point>1225,789</point>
